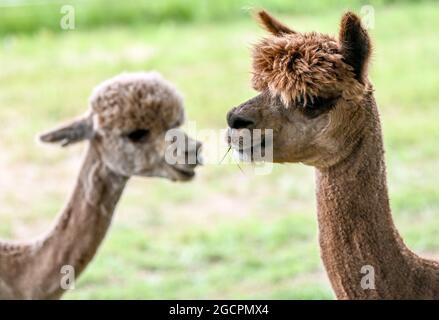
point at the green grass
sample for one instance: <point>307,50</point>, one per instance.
<point>226,235</point>
<point>27,16</point>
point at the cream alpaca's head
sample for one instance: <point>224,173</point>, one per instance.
<point>133,122</point>
<point>311,91</point>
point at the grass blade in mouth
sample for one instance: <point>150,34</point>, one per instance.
<point>227,152</point>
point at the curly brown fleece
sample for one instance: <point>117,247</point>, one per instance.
<point>343,141</point>
<point>302,66</point>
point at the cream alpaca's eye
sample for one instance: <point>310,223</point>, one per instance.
<point>175,124</point>
<point>139,135</point>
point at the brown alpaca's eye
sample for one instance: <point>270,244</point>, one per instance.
<point>318,106</point>
<point>139,135</point>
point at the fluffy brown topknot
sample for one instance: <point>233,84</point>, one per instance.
<point>300,66</point>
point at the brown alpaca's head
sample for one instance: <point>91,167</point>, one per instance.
<point>312,88</point>
<point>133,122</point>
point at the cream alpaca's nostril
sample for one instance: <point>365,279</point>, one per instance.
<point>196,153</point>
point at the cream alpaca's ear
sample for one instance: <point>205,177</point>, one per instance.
<point>355,44</point>
<point>73,132</point>
<point>271,24</point>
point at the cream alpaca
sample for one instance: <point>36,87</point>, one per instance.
<point>125,128</point>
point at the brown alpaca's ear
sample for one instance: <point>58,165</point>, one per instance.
<point>355,44</point>
<point>73,132</point>
<point>271,24</point>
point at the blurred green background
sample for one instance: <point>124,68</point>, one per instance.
<point>227,234</point>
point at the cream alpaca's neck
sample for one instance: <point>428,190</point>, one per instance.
<point>33,271</point>
<point>356,228</point>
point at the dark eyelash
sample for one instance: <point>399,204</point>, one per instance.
<point>139,135</point>
<point>317,106</point>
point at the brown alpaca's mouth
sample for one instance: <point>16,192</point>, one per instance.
<point>251,148</point>
<point>241,139</point>
<point>253,151</point>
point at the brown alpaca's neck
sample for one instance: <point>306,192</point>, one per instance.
<point>357,231</point>
<point>33,271</point>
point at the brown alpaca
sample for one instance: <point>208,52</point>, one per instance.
<point>126,125</point>
<point>316,96</point>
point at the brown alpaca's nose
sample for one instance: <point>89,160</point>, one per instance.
<point>239,122</point>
